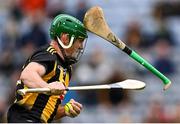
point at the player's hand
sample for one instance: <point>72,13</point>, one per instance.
<point>72,108</point>
<point>57,88</point>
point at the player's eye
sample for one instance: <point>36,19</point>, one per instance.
<point>80,39</point>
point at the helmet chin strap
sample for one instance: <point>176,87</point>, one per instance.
<point>64,46</point>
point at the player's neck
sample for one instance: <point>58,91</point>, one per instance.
<point>56,47</point>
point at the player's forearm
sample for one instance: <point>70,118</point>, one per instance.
<point>33,80</point>
<point>60,112</point>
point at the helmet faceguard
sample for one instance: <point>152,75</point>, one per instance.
<point>77,54</point>
<point>73,27</point>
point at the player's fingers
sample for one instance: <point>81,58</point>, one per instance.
<point>72,101</point>
<point>78,105</point>
<point>73,112</point>
<point>72,108</point>
<point>76,108</point>
<point>69,110</point>
<point>64,93</point>
<point>72,116</point>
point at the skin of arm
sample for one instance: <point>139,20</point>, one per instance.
<point>32,78</point>
<point>60,112</point>
<point>31,75</point>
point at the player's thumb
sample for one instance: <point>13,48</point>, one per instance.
<point>71,101</point>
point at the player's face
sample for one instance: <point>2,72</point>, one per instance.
<point>76,49</point>
<point>77,46</point>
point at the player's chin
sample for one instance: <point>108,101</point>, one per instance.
<point>75,55</point>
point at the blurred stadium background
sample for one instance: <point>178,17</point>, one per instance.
<point>151,27</point>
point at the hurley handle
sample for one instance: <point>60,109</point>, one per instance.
<point>147,65</point>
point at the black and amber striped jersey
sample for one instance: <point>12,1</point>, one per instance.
<point>43,106</point>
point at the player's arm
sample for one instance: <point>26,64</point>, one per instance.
<point>71,109</point>
<point>32,77</point>
<point>60,112</point>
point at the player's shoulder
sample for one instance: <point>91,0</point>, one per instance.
<point>50,50</point>
<point>45,53</point>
